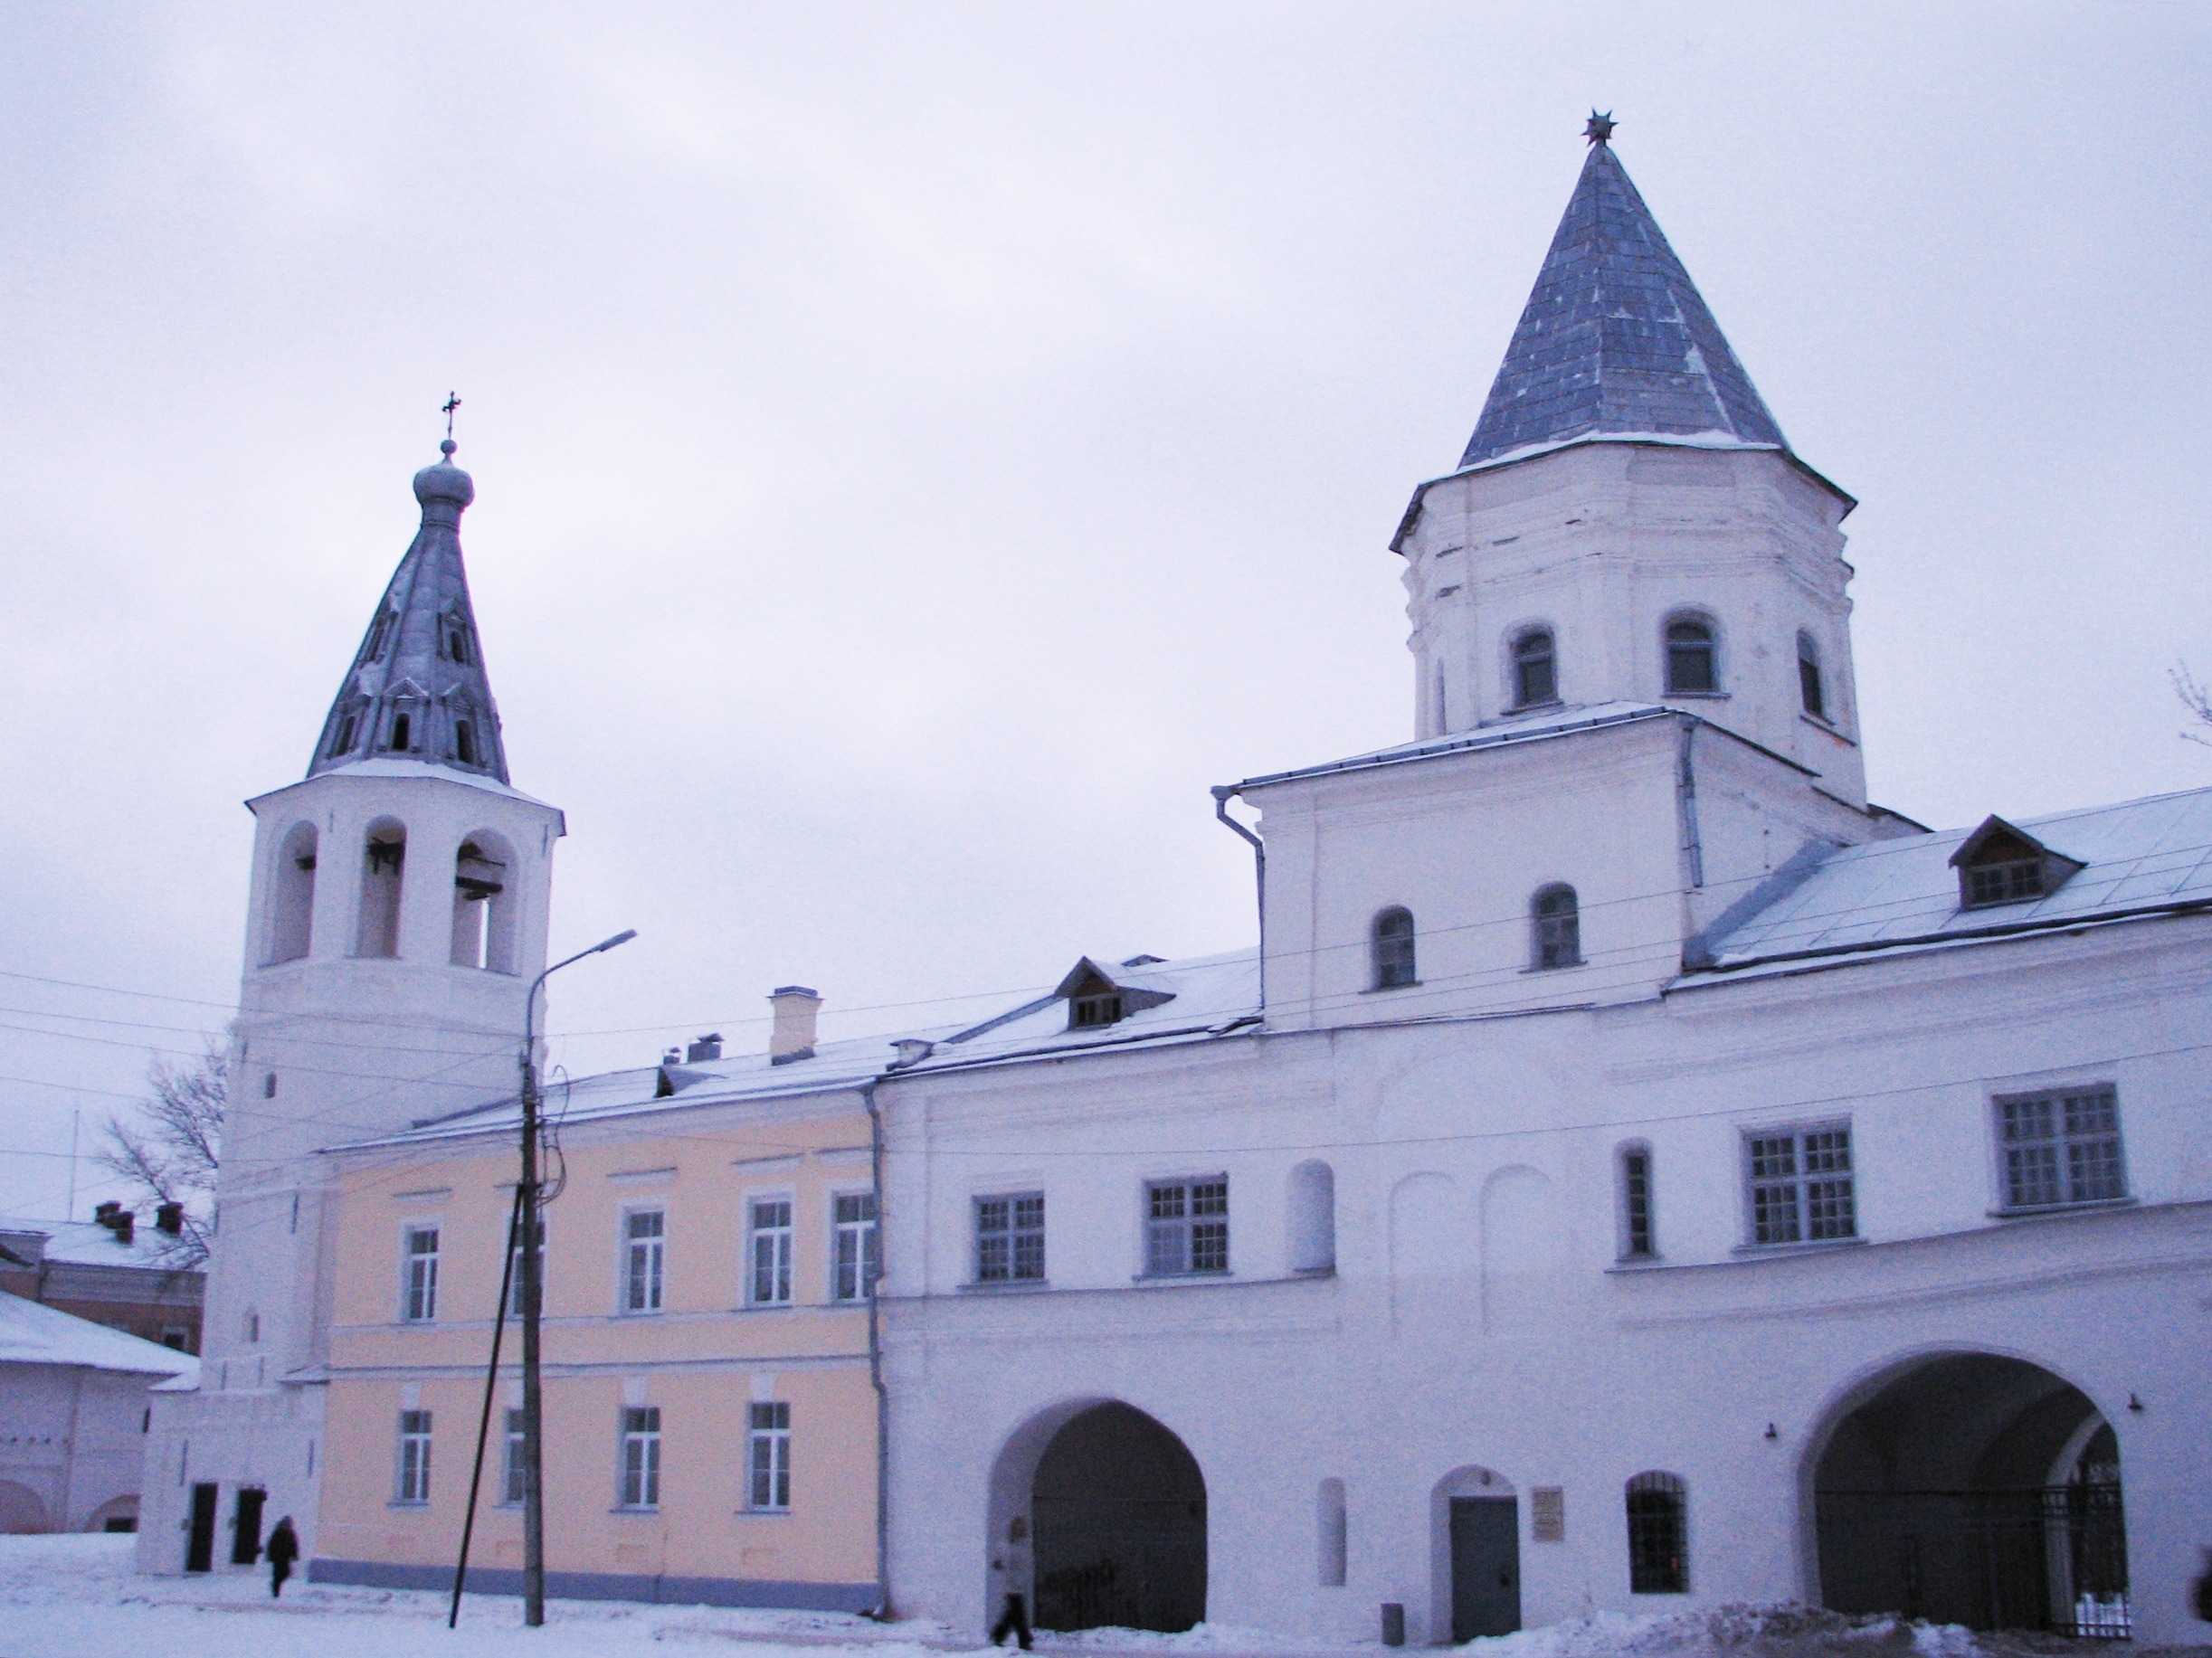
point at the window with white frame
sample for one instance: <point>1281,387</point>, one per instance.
<point>645,1259</point>
<point>419,1296</point>
<point>1186,1227</point>
<point>1801,1185</point>
<point>852,1246</point>
<point>413,1482</point>
<point>2061,1147</point>
<point>511,1471</point>
<point>1010,1238</point>
<point>641,1456</point>
<point>768,1233</point>
<point>515,1284</point>
<point>768,1458</point>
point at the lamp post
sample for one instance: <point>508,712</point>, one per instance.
<point>526,1224</point>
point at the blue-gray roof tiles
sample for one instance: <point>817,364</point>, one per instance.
<point>1615,340</point>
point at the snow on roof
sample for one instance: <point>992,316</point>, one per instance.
<point>2136,855</point>
<point>1202,997</point>
<point>1495,733</point>
<point>31,1333</point>
<point>86,1243</point>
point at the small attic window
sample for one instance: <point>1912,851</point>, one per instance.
<point>1092,1012</point>
<point>1998,864</point>
<point>402,731</point>
<point>464,742</point>
<point>457,641</point>
<point>343,742</point>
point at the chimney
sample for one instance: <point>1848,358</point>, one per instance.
<point>170,1219</point>
<point>705,1048</point>
<point>108,1214</point>
<point>793,1037</point>
<point>671,1055</point>
<point>125,1223</point>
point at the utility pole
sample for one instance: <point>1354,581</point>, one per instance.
<point>526,1223</point>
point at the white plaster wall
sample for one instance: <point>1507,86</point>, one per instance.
<point>73,1436</point>
<point>1501,1334</point>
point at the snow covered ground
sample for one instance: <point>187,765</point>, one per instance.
<point>69,1595</point>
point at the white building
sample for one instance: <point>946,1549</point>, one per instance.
<point>74,1402</point>
<point>372,998</point>
<point>1634,1171</point>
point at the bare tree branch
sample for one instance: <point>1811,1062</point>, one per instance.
<point>170,1151</point>
<point>2196,697</point>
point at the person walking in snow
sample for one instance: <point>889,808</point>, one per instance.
<point>283,1548</point>
<point>1013,1563</point>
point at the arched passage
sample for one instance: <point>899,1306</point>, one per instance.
<point>1974,1489</point>
<point>1116,1519</point>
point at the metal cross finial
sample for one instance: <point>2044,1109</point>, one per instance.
<point>453,402</point>
<point>1601,126</point>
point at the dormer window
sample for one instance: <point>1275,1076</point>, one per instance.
<point>379,630</point>
<point>457,641</point>
<point>343,742</point>
<point>464,742</point>
<point>402,732</point>
<point>1094,1011</point>
<point>1998,864</point>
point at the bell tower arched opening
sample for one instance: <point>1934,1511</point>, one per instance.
<point>1973,1489</point>
<point>484,903</point>
<point>384,862</point>
<point>291,896</point>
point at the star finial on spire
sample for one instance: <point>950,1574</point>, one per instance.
<point>1601,126</point>
<point>453,402</point>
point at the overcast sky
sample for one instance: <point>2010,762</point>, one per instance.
<point>919,449</point>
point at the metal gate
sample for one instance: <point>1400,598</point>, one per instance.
<point>2053,1557</point>
<point>1128,1563</point>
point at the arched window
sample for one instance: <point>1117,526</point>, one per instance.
<point>1330,1525</point>
<point>1556,921</point>
<point>402,732</point>
<point>379,630</point>
<point>1809,691</point>
<point>1639,1238</point>
<point>483,904</point>
<point>1393,949</point>
<point>1535,668</point>
<point>1313,1218</point>
<point>1658,1535</point>
<point>292,898</point>
<point>343,731</point>
<point>1692,668</point>
<point>384,866</point>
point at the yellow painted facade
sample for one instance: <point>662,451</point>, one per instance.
<point>718,1343</point>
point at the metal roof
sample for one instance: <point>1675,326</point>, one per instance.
<point>32,1333</point>
<point>1616,341</point>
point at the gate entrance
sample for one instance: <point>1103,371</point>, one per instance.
<point>1486,1543</point>
<point>199,1546</point>
<point>1119,1515</point>
<point>1979,1490</point>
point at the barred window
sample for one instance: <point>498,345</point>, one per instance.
<point>420,1297</point>
<point>1800,1186</point>
<point>1010,1238</point>
<point>641,1456</point>
<point>1658,1553</point>
<point>769,1221</point>
<point>769,1457</point>
<point>1186,1227</point>
<point>2061,1147</point>
<point>1638,1241</point>
<point>412,1484</point>
<point>853,1270</point>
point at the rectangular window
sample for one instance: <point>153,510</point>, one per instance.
<point>852,1246</point>
<point>1800,1186</point>
<point>414,1482</point>
<point>1186,1227</point>
<point>514,1293</point>
<point>769,1221</point>
<point>641,1456</point>
<point>645,1240</point>
<point>1010,1238</point>
<point>1637,1242</point>
<point>768,1454</point>
<point>2061,1147</point>
<point>421,1294</point>
<point>510,1466</point>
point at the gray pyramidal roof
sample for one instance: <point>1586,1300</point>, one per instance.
<point>1615,341</point>
<point>417,689</point>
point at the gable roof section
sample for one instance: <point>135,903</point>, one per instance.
<point>32,1333</point>
<point>2138,858</point>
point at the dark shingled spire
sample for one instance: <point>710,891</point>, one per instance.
<point>1616,341</point>
<point>417,688</point>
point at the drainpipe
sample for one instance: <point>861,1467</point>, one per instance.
<point>874,1358</point>
<point>1222,795</point>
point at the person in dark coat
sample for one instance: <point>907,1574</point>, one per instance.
<point>282,1550</point>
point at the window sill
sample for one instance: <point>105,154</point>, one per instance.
<point>1315,1272</point>
<point>1534,707</point>
<point>764,1513</point>
<point>408,1503</point>
<point>1811,1246</point>
<point>1564,967</point>
<point>2043,1211</point>
<point>1004,1286</point>
<point>766,1306</point>
<point>1645,1263</point>
<point>1206,1278</point>
<point>636,1511</point>
<point>1698,697</point>
<point>1384,990</point>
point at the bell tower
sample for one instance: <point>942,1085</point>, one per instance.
<point>396,915</point>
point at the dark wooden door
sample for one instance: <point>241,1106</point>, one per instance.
<point>200,1551</point>
<point>246,1526</point>
<point>1486,1567</point>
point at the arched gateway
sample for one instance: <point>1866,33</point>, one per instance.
<point>1972,1489</point>
<point>1099,1514</point>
